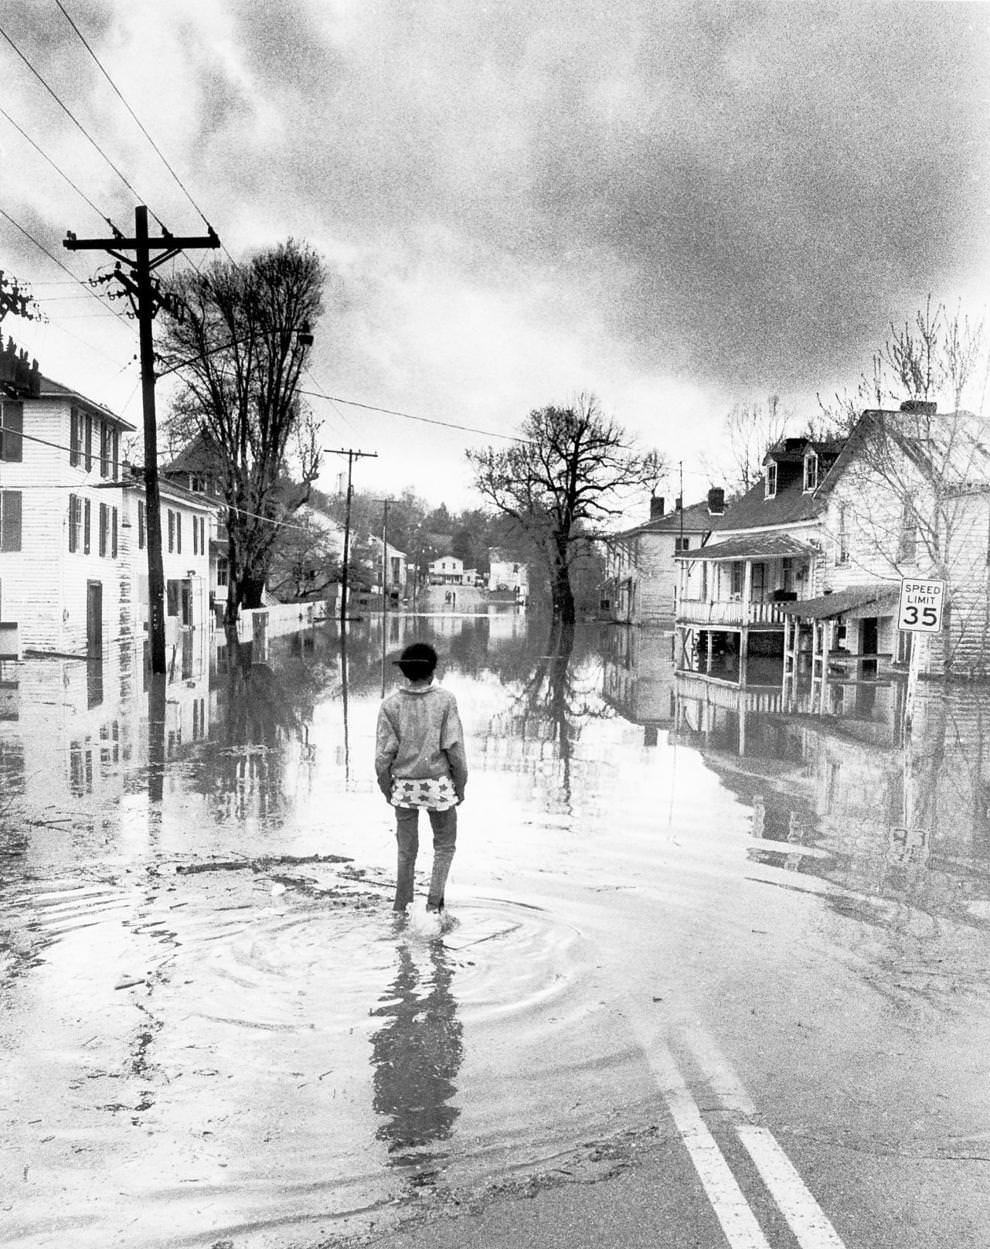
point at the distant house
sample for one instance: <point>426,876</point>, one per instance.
<point>73,577</point>
<point>507,575</point>
<point>447,570</point>
<point>396,568</point>
<point>641,572</point>
<point>808,563</point>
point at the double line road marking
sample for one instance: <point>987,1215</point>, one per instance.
<point>804,1216</point>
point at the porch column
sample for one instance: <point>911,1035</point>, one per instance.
<point>744,626</point>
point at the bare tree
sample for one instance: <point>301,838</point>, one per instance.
<point>752,430</point>
<point>238,350</point>
<point>561,481</point>
<point>936,356</point>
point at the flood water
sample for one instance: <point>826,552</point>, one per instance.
<point>214,1030</point>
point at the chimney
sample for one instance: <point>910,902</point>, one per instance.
<point>920,407</point>
<point>656,507</point>
<point>677,503</point>
<point>716,501</point>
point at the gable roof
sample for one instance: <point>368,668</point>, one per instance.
<point>197,456</point>
<point>50,389</point>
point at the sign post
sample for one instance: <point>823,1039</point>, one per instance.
<point>919,611</point>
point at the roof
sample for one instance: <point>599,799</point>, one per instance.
<point>695,518</point>
<point>197,456</point>
<point>173,491</point>
<point>882,595</point>
<point>52,388</point>
<point>790,505</point>
<point>754,546</point>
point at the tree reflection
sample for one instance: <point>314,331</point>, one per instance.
<point>417,1054</point>
<point>263,708</point>
<point>556,696</point>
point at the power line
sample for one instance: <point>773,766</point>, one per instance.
<point>408,416</point>
<point>76,122</point>
<point>55,260</point>
<point>134,115</point>
<point>61,172</point>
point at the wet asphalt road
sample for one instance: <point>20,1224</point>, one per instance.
<point>715,973</point>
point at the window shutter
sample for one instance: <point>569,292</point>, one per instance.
<point>10,520</point>
<point>12,422</point>
<point>73,522</point>
<point>140,526</point>
<point>86,525</point>
<point>88,441</point>
<point>74,437</point>
<point>113,532</point>
<point>178,533</point>
<point>116,454</point>
<point>104,528</point>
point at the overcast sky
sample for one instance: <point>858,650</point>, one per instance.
<point>674,206</point>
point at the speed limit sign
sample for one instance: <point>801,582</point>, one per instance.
<point>921,603</point>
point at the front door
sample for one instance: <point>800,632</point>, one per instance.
<point>94,617</point>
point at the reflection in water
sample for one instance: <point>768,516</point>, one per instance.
<point>416,1056</point>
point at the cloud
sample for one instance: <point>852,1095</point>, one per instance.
<point>693,200</point>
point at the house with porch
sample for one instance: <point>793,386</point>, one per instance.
<point>73,573</point>
<point>806,567</point>
<point>641,573</point>
<point>447,570</point>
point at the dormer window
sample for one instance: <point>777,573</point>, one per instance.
<point>810,471</point>
<point>771,481</point>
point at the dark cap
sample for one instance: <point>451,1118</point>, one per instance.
<point>418,653</point>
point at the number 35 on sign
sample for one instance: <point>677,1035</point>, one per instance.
<point>920,608</point>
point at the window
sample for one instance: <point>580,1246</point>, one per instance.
<point>737,578</point>
<point>141,525</point>
<point>11,427</point>
<point>682,544</point>
<point>104,529</point>
<point>908,549</point>
<point>843,555</point>
<point>74,437</point>
<point>86,526</point>
<point>10,520</point>
<point>197,482</point>
<point>810,471</point>
<point>88,441</point>
<point>75,522</point>
<point>222,570</point>
<point>771,482</point>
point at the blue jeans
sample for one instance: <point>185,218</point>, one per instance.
<point>407,836</point>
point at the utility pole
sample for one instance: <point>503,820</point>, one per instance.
<point>351,457</point>
<point>146,299</point>
<point>384,503</point>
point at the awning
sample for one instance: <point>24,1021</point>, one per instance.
<point>756,546</point>
<point>876,599</point>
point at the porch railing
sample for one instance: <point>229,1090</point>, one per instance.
<point>730,613</point>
